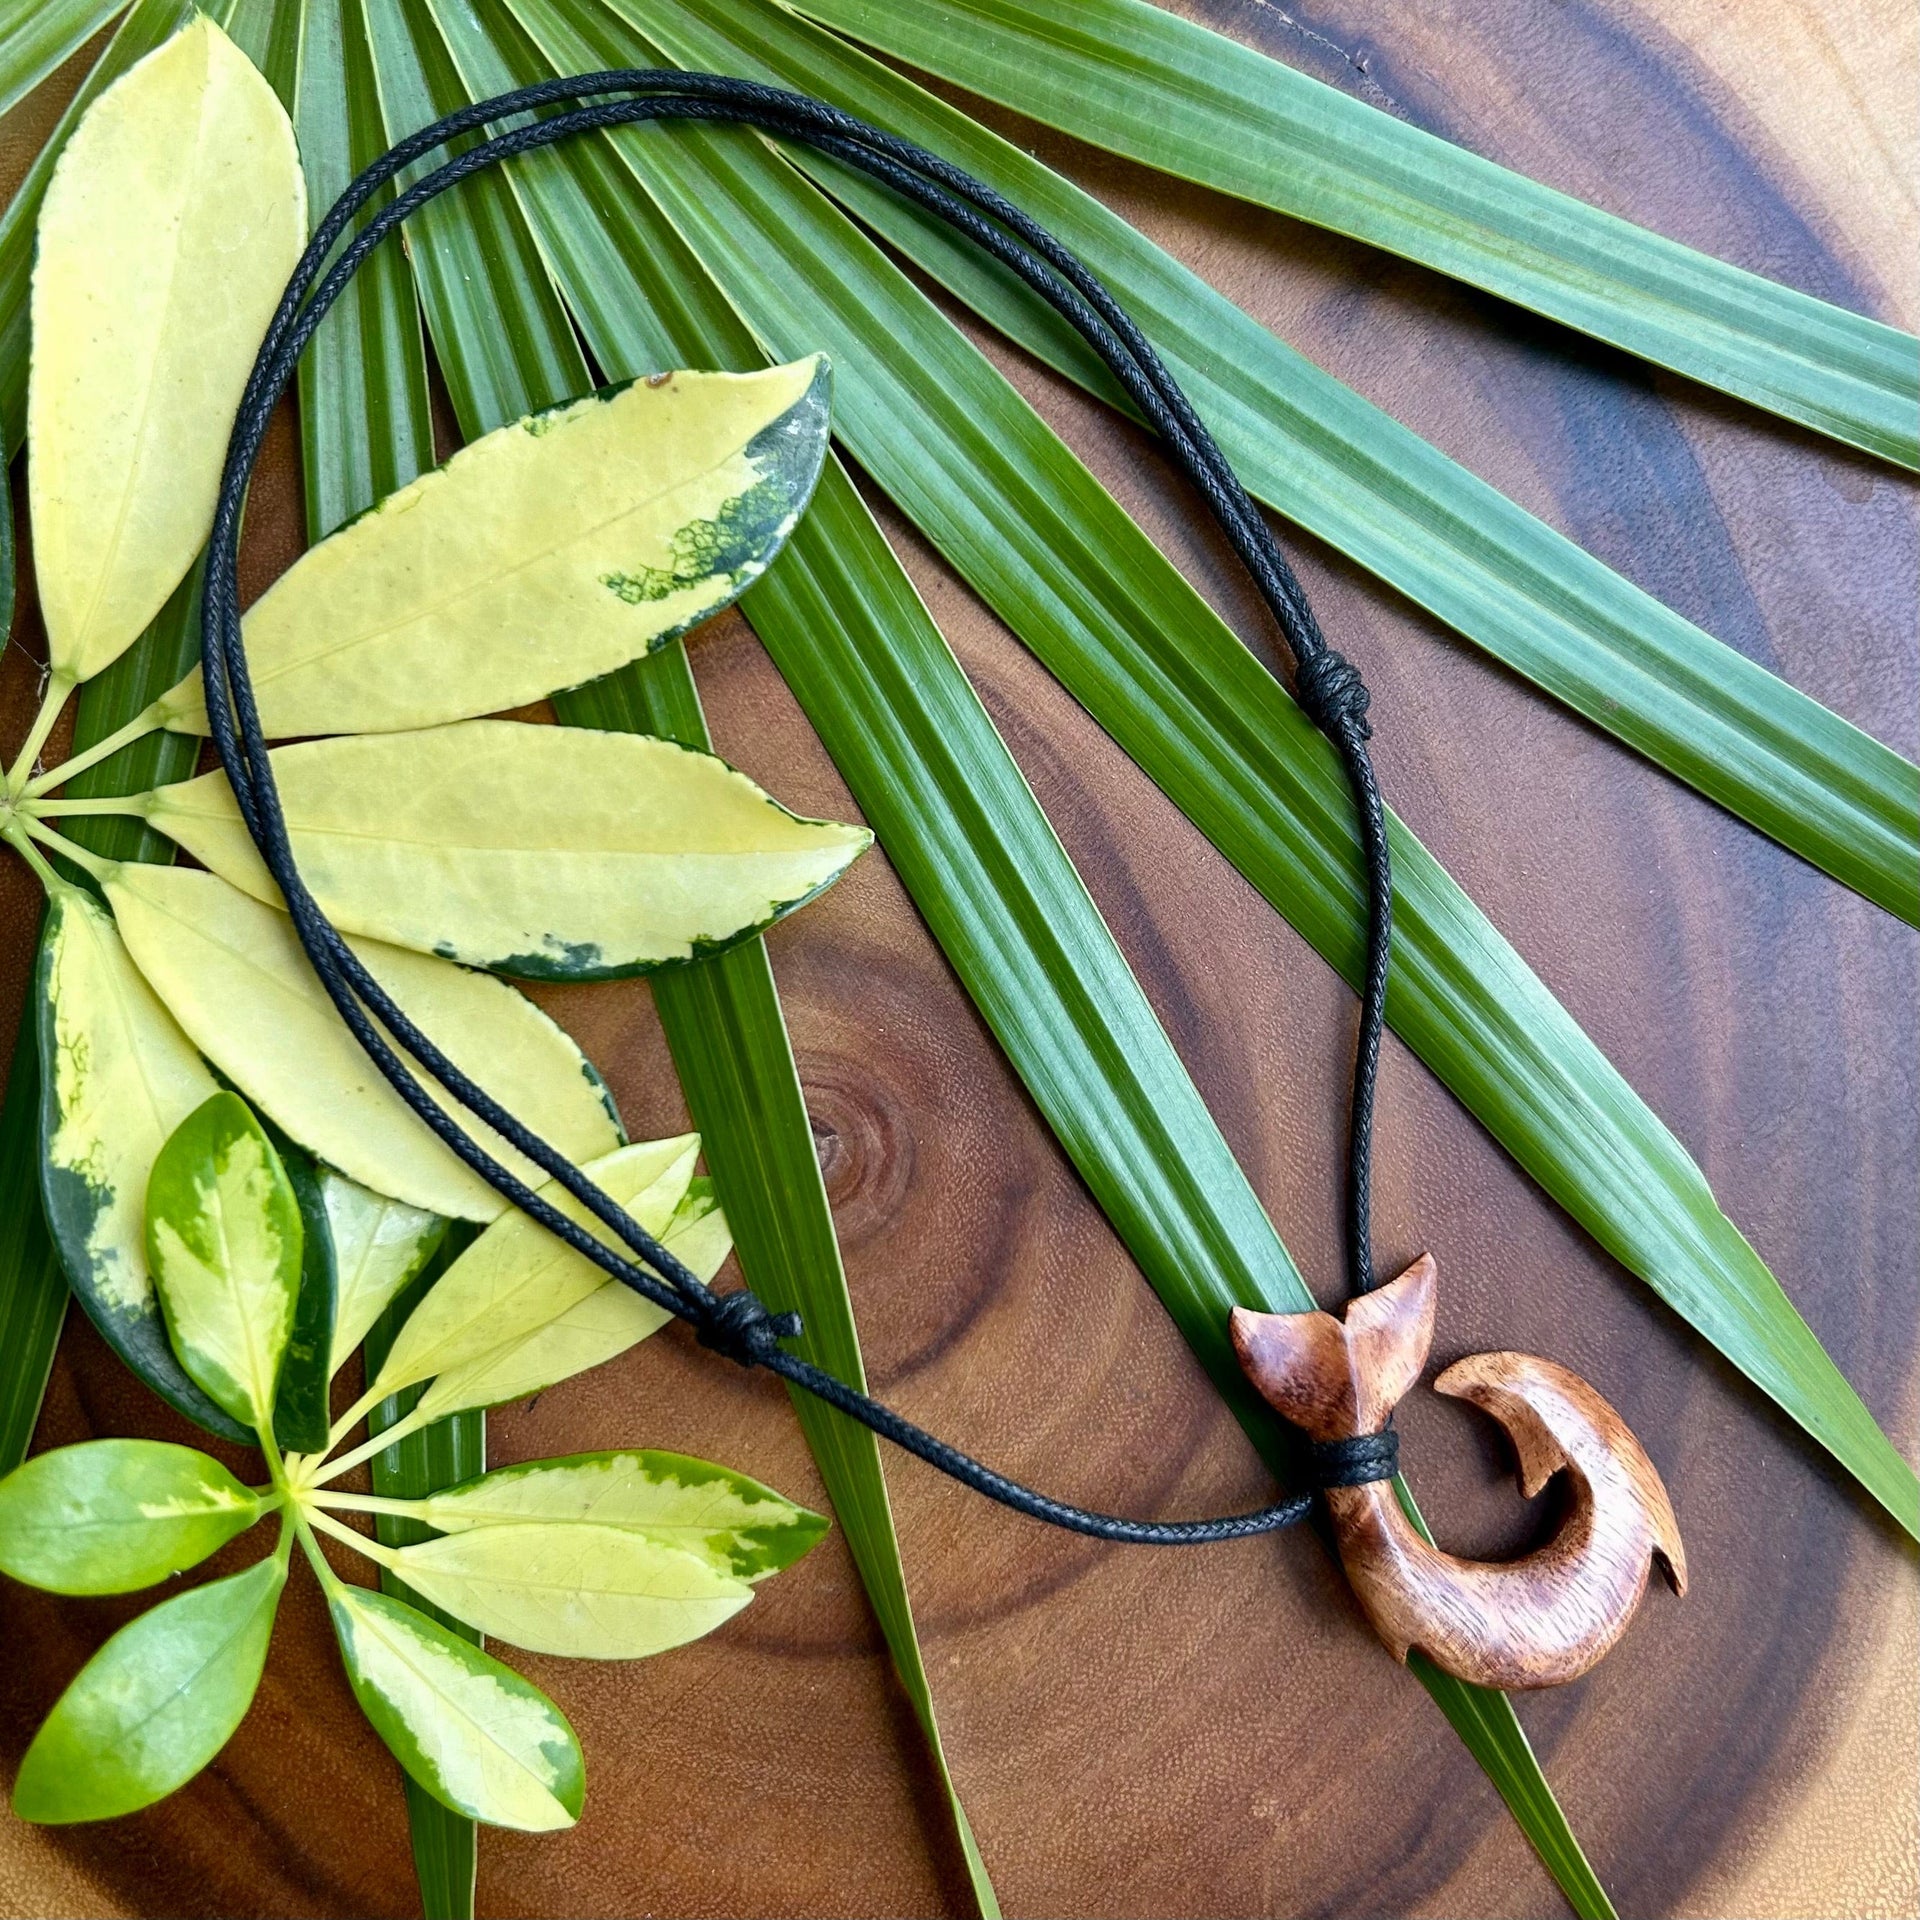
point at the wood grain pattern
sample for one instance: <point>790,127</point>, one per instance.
<point>1145,1733</point>
<point>1538,1621</point>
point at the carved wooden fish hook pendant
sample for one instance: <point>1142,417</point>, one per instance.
<point>1532,1622</point>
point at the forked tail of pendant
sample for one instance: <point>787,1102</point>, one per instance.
<point>1337,1378</point>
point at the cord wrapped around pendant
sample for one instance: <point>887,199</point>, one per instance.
<point>1353,1448</point>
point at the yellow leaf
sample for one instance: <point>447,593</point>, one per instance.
<point>590,1332</point>
<point>552,853</point>
<point>379,1244</point>
<point>517,1277</point>
<point>233,974</point>
<point>170,226</point>
<point>598,1593</point>
<point>543,555</point>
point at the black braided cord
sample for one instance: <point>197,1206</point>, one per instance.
<point>1327,686</point>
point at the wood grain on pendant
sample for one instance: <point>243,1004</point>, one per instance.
<point>1532,1622</point>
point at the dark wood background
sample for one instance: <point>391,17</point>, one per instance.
<point>1217,1733</point>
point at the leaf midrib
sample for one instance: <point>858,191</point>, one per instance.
<point>258,1382</point>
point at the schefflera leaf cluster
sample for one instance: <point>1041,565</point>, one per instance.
<point>451,848</point>
<point>612,1555</point>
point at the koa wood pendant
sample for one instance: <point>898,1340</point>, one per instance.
<point>1532,1622</point>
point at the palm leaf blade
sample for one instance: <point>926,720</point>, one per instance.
<point>1338,466</point>
<point>729,1042</point>
<point>1142,81</point>
<point>1058,559</point>
<point>41,37</point>
<point>722,1018</point>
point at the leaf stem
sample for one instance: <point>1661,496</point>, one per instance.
<point>368,1503</point>
<point>276,1465</point>
<point>147,721</point>
<point>380,1442</point>
<point>112,803</point>
<point>329,1580</point>
<point>353,1416</point>
<point>82,857</point>
<point>59,687</point>
<point>14,833</point>
<point>359,1542</point>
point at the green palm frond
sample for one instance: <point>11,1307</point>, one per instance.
<point>1335,464</point>
<point>1140,80</point>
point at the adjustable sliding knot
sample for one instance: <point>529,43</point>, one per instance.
<point>1355,1462</point>
<point>739,1325</point>
<point>1329,688</point>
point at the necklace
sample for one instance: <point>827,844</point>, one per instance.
<point>1532,1622</point>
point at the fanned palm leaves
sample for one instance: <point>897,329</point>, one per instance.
<point>1003,500</point>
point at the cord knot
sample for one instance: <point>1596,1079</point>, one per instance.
<point>739,1325</point>
<point>1355,1462</point>
<point>1329,688</point>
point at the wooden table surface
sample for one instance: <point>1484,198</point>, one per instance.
<point>1217,1733</point>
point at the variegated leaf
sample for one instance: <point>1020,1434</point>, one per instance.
<point>597,1593</point>
<point>116,1077</point>
<point>736,1525</point>
<point>552,853</point>
<point>169,228</point>
<point>477,1736</point>
<point>232,972</point>
<point>224,1241</point>
<point>542,555</point>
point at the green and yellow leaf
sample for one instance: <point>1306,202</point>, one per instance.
<point>590,1332</point>
<point>169,228</point>
<point>233,973</point>
<point>154,1705</point>
<point>595,1593</point>
<point>517,1278</point>
<point>378,1246</point>
<point>300,1413</point>
<point>110,1516</point>
<point>472,1732</point>
<point>547,852</point>
<point>116,1077</point>
<point>546,554</point>
<point>737,1526</point>
<point>224,1242</point>
<point>698,1235</point>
